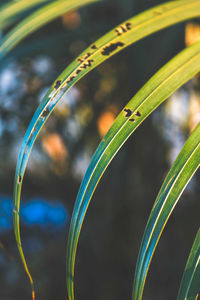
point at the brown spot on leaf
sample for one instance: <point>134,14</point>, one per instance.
<point>78,71</point>
<point>45,113</point>
<point>19,179</point>
<point>123,28</point>
<point>57,84</point>
<point>86,64</point>
<point>107,50</point>
<point>138,114</point>
<point>71,78</point>
<point>94,47</point>
<point>128,25</point>
<point>87,55</point>
<point>82,59</point>
<point>128,112</point>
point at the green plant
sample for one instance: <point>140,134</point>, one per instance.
<point>168,79</point>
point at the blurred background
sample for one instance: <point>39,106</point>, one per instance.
<point>112,232</point>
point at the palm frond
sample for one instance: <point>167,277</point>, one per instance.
<point>37,19</point>
<point>155,91</point>
<point>12,9</point>
<point>122,36</point>
<point>190,284</point>
<point>179,175</point>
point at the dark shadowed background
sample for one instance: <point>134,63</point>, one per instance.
<point>112,232</point>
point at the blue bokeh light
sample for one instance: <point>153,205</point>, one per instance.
<point>48,215</point>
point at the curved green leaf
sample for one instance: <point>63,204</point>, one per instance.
<point>42,16</point>
<point>190,283</point>
<point>179,175</point>
<point>130,31</point>
<point>153,93</point>
<point>9,11</point>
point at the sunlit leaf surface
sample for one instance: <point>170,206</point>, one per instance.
<point>190,284</point>
<point>179,175</point>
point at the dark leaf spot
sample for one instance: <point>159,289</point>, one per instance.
<point>132,120</point>
<point>45,113</point>
<point>80,59</point>
<point>57,84</point>
<point>71,79</point>
<point>93,47</point>
<point>78,71</point>
<point>19,179</point>
<point>88,63</point>
<point>107,50</point>
<point>123,28</point>
<point>128,112</point>
<point>138,114</point>
<point>118,33</point>
<point>87,55</point>
<point>128,25</point>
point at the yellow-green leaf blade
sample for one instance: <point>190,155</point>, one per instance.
<point>37,19</point>
<point>10,10</point>
<point>83,65</point>
<point>138,27</point>
<point>158,88</point>
<point>190,283</point>
<point>172,13</point>
<point>141,25</point>
<point>179,175</point>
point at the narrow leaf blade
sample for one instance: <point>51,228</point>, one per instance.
<point>136,28</point>
<point>157,89</point>
<point>179,175</point>
<point>37,19</point>
<point>190,283</point>
<point>12,9</point>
